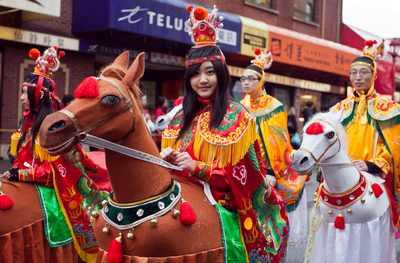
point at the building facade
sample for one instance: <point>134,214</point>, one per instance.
<point>303,36</point>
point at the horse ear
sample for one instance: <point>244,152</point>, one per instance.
<point>135,71</point>
<point>122,60</point>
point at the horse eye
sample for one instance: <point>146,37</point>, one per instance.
<point>330,135</point>
<point>110,100</point>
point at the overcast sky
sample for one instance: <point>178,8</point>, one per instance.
<point>379,17</point>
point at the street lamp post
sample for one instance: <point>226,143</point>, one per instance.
<point>394,52</point>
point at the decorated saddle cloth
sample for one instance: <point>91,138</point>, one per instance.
<point>66,191</point>
<point>273,136</point>
<point>228,160</point>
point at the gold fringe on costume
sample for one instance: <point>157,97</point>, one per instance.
<point>230,153</point>
<point>14,142</point>
<point>42,154</point>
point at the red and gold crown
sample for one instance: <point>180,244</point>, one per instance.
<point>48,62</point>
<point>203,26</point>
<point>372,49</point>
<point>261,59</point>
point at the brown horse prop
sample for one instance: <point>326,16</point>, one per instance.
<point>22,237</point>
<point>108,107</point>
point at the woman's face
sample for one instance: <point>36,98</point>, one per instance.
<point>249,81</point>
<point>24,98</point>
<point>205,81</point>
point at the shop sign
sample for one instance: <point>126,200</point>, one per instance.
<point>156,18</point>
<point>297,52</point>
<point>300,83</point>
<point>254,35</point>
<point>36,38</point>
<point>45,7</point>
<point>291,82</point>
<point>152,57</point>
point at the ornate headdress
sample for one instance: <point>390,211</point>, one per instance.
<point>203,28</point>
<point>45,65</point>
<point>371,52</point>
<point>262,61</point>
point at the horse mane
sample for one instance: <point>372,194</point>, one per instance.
<point>335,120</point>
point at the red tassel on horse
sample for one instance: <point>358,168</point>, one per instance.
<point>115,250</point>
<point>5,202</point>
<point>187,215</point>
<point>339,222</point>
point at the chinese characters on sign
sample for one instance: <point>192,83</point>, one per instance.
<point>306,54</point>
<point>36,38</point>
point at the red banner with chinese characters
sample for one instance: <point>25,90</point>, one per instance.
<point>297,52</point>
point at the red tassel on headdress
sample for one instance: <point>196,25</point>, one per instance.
<point>315,128</point>
<point>339,222</point>
<point>87,89</point>
<point>370,42</point>
<point>115,250</point>
<point>377,189</point>
<point>189,8</point>
<point>257,51</point>
<point>187,216</point>
<point>5,202</point>
<point>34,53</point>
<point>61,54</point>
<point>200,13</point>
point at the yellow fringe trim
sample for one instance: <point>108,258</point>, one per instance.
<point>86,257</point>
<point>224,154</point>
<point>42,154</point>
<point>14,142</point>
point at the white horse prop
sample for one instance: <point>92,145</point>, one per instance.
<point>352,217</point>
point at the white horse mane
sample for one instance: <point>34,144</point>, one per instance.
<point>334,119</point>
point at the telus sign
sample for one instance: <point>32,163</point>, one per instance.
<point>166,20</point>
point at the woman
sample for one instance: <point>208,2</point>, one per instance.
<point>214,141</point>
<point>65,183</point>
<point>273,136</point>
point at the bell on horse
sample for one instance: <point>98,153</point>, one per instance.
<point>352,220</point>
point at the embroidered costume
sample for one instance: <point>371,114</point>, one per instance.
<point>273,136</point>
<point>66,184</point>
<point>228,164</point>
<point>372,127</point>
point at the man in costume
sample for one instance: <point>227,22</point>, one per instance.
<point>272,130</point>
<point>214,140</point>
<point>66,184</point>
<point>371,121</point>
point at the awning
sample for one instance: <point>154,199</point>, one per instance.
<point>290,47</point>
<point>158,18</point>
<point>43,7</point>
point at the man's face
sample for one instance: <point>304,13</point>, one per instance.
<point>361,77</point>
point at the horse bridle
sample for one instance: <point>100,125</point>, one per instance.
<point>91,140</point>
<point>318,160</point>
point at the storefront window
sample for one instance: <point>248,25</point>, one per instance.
<point>304,10</point>
<point>265,4</point>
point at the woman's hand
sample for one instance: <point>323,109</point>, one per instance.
<point>185,161</point>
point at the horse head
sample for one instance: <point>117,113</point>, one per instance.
<point>106,106</point>
<point>323,138</point>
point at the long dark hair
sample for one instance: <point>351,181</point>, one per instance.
<point>191,104</point>
<point>45,105</point>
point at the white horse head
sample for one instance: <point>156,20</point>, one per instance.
<point>323,139</point>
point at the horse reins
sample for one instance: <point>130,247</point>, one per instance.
<point>94,141</point>
<point>318,160</point>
